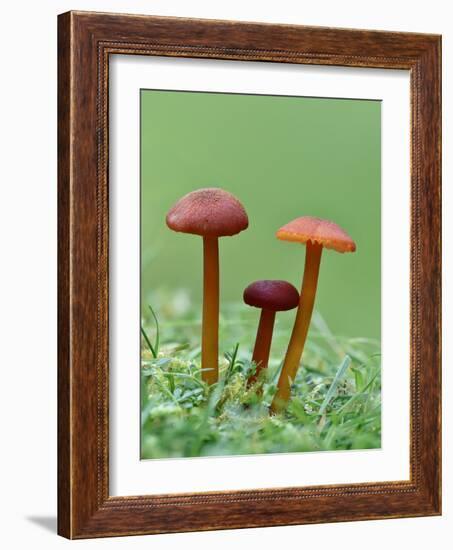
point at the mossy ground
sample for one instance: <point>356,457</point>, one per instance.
<point>335,404</point>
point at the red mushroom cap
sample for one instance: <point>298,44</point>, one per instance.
<point>209,212</point>
<point>271,295</point>
<point>316,230</point>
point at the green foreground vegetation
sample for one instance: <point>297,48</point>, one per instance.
<point>335,404</point>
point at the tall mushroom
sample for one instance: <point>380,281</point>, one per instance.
<point>316,234</point>
<point>270,297</point>
<point>210,213</point>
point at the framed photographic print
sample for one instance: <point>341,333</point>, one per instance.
<point>249,275</point>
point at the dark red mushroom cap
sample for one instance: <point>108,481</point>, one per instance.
<point>209,212</point>
<point>317,230</point>
<point>271,295</point>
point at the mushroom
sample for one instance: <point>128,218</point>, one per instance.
<point>316,234</point>
<point>210,213</point>
<point>270,297</point>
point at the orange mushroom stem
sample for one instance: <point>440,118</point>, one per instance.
<point>210,324</point>
<point>300,329</point>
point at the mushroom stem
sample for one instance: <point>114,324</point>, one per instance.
<point>210,324</point>
<point>262,343</point>
<point>300,328</point>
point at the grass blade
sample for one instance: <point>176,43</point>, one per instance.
<point>156,343</point>
<point>339,375</point>
<point>231,358</point>
<point>145,336</point>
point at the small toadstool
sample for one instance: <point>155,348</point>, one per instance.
<point>316,234</point>
<point>270,297</point>
<point>210,213</point>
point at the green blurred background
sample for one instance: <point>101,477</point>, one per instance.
<point>283,157</point>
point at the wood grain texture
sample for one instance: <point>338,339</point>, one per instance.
<point>86,40</point>
<point>64,367</point>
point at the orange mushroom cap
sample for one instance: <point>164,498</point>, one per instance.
<point>210,212</point>
<point>324,232</point>
<point>271,295</point>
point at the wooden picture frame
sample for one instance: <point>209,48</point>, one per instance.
<point>85,42</point>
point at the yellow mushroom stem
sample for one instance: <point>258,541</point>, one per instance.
<point>262,343</point>
<point>210,323</point>
<point>300,328</point>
